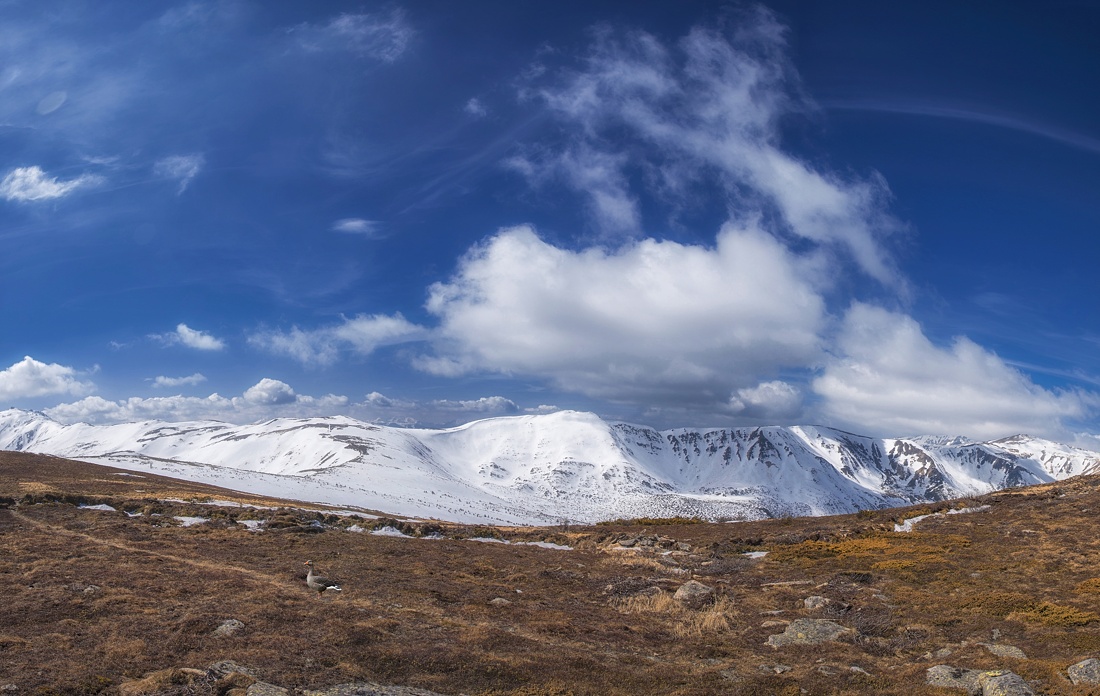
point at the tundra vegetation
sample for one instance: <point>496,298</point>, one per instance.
<point>109,586</point>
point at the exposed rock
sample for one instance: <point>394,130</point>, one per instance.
<point>1085,672</point>
<point>809,632</point>
<point>1005,650</point>
<point>228,627</point>
<point>265,689</point>
<point>499,602</point>
<point>368,689</point>
<point>694,594</point>
<point>816,602</point>
<point>1003,683</point>
<point>227,667</point>
<point>978,683</point>
<point>954,678</point>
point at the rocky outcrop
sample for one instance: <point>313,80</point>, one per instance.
<point>809,632</point>
<point>979,683</point>
<point>1085,672</point>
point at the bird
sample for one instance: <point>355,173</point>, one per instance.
<point>319,583</point>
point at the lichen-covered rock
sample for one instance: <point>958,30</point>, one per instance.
<point>1005,651</point>
<point>1085,672</point>
<point>265,689</point>
<point>368,689</point>
<point>950,677</point>
<point>1003,683</point>
<point>815,602</point>
<point>694,594</point>
<point>809,632</point>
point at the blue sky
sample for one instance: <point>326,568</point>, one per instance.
<point>875,216</point>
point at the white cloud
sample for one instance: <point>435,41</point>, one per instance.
<point>192,338</point>
<point>31,378</point>
<point>652,321</point>
<point>707,112</point>
<point>383,37</point>
<point>270,392</point>
<point>888,377</point>
<point>486,404</point>
<point>362,334</point>
<point>32,184</point>
<point>182,168</point>
<point>367,228</point>
<point>266,399</point>
<point>191,380</point>
<point>475,108</point>
<point>774,400</point>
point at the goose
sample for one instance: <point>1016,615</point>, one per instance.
<point>319,583</point>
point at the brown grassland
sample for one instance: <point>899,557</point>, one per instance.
<point>92,599</point>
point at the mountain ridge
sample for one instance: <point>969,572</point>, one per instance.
<point>569,465</point>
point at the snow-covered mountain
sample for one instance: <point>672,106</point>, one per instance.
<point>563,466</point>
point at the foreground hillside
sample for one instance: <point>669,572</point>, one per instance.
<point>114,584</point>
<point>565,465</point>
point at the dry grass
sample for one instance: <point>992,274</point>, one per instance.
<point>98,602</point>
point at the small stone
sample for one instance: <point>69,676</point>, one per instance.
<point>499,602</point>
<point>228,627</point>
<point>221,669</point>
<point>265,689</point>
<point>816,602</point>
<point>1085,672</point>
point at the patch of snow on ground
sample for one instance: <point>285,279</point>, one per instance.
<point>190,521</point>
<point>755,554</point>
<point>540,544</point>
<point>907,525</point>
<point>390,532</point>
<point>106,508</point>
<point>253,525</point>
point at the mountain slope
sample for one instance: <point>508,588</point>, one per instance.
<point>566,465</point>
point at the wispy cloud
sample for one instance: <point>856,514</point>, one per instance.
<point>707,110</point>
<point>475,107</point>
<point>31,378</point>
<point>181,168</point>
<point>380,36</point>
<point>170,382</point>
<point>1001,120</point>
<point>362,334</point>
<point>368,228</point>
<point>192,338</point>
<point>33,184</point>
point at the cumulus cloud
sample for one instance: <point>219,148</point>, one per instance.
<point>270,392</point>
<point>705,111</point>
<point>33,184</point>
<point>190,380</point>
<point>191,338</point>
<point>362,334</point>
<point>652,320</point>
<point>486,404</point>
<point>31,378</point>
<point>266,399</point>
<point>774,400</point>
<point>182,168</point>
<point>887,376</point>
<point>380,36</point>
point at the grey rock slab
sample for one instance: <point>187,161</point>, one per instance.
<point>1085,672</point>
<point>265,689</point>
<point>953,678</point>
<point>1005,650</point>
<point>809,632</point>
<point>369,689</point>
<point>1002,683</point>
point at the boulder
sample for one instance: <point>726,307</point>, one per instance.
<point>265,689</point>
<point>228,627</point>
<point>1004,683</point>
<point>694,594</point>
<point>1085,672</point>
<point>809,632</point>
